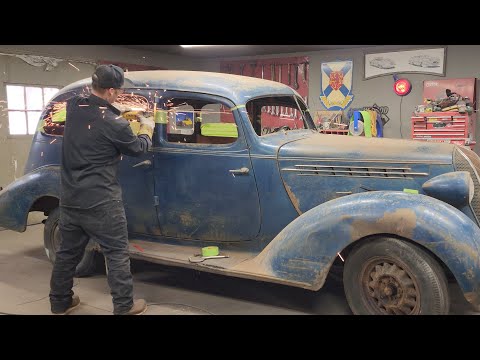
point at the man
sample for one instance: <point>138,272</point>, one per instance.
<point>91,204</point>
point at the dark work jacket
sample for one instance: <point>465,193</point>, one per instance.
<point>95,137</point>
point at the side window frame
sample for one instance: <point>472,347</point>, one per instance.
<point>162,141</point>
<point>62,97</point>
<point>256,122</point>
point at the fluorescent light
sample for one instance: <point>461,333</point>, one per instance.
<point>189,46</point>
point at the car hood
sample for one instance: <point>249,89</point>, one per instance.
<point>353,148</point>
<point>318,168</point>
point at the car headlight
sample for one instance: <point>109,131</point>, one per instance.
<point>455,188</point>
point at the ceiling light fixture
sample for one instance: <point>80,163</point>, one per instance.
<point>190,46</point>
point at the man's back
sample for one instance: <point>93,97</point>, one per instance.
<point>94,139</point>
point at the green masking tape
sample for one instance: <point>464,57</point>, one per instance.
<point>161,117</point>
<point>410,191</point>
<point>210,251</point>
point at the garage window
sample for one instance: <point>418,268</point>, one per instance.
<point>25,104</point>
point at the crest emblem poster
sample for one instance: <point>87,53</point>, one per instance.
<point>336,85</point>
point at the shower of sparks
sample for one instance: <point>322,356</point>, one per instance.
<point>341,257</point>
<point>73,66</point>
<point>136,102</point>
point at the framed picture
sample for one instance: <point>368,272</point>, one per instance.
<point>425,61</point>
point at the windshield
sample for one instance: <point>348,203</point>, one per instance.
<point>271,114</point>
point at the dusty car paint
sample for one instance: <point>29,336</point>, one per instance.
<point>306,197</point>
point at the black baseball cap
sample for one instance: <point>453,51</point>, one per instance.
<point>109,76</point>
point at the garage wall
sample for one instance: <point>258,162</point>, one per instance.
<point>462,61</point>
<point>14,149</point>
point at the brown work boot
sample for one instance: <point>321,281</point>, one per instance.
<point>138,308</point>
<point>74,305</point>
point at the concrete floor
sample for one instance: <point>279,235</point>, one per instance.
<point>25,275</point>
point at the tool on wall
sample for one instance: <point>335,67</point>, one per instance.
<point>279,108</point>
<point>305,67</point>
<point>289,76</point>
<point>272,71</point>
<point>253,65</point>
<point>295,76</point>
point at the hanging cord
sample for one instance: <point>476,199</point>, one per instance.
<point>401,100</point>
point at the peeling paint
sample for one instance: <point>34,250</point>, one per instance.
<point>401,222</point>
<point>293,198</point>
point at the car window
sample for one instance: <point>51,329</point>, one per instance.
<point>54,115</point>
<point>200,122</point>
<point>53,120</point>
<point>272,114</point>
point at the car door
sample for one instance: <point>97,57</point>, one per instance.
<point>204,181</point>
<point>136,177</point>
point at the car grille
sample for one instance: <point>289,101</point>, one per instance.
<point>467,160</point>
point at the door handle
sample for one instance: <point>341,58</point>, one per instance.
<point>143,163</point>
<point>241,171</point>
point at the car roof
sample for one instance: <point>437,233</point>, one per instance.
<point>235,87</point>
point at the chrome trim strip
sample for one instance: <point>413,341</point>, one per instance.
<point>195,150</point>
<point>362,176</point>
<point>355,172</point>
<point>358,167</point>
<point>263,157</point>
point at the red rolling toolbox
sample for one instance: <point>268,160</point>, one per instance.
<point>448,126</point>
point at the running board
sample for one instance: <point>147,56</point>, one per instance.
<point>239,263</point>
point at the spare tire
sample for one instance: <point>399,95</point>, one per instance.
<point>51,239</point>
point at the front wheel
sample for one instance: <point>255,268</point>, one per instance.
<point>388,276</point>
<point>51,240</point>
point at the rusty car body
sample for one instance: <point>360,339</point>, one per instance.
<point>284,204</point>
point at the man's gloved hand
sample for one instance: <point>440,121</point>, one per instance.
<point>146,125</point>
<point>147,121</point>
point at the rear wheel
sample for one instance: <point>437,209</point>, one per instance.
<point>388,276</point>
<point>51,239</point>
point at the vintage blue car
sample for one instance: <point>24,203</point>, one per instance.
<point>238,163</point>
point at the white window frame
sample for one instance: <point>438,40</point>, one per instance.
<point>26,110</point>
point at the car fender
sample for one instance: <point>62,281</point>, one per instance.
<point>304,250</point>
<point>17,198</point>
